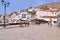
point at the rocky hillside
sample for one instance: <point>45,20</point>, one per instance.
<point>51,4</point>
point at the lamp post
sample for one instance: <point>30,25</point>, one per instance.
<point>5,4</point>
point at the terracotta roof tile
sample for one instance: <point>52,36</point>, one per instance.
<point>52,10</point>
<point>49,16</point>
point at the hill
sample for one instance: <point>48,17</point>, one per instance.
<point>51,4</point>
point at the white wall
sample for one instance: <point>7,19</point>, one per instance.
<point>44,13</point>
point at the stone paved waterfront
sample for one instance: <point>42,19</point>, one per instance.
<point>33,32</point>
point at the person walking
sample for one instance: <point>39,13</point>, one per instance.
<point>50,23</point>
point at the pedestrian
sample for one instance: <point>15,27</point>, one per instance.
<point>50,22</point>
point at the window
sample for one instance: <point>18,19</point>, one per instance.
<point>23,15</point>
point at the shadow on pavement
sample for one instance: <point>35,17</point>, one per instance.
<point>11,27</point>
<point>8,28</point>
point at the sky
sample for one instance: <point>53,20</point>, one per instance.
<point>16,5</point>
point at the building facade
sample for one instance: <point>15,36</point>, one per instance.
<point>48,14</point>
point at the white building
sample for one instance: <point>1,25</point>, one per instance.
<point>47,14</point>
<point>25,15</point>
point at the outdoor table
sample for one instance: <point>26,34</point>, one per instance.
<point>24,22</point>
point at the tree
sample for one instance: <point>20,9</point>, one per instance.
<point>30,7</point>
<point>44,7</point>
<point>33,12</point>
<point>0,15</point>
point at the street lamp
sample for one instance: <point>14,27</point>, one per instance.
<point>5,4</point>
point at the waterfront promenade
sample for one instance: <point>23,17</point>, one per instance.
<point>33,32</point>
